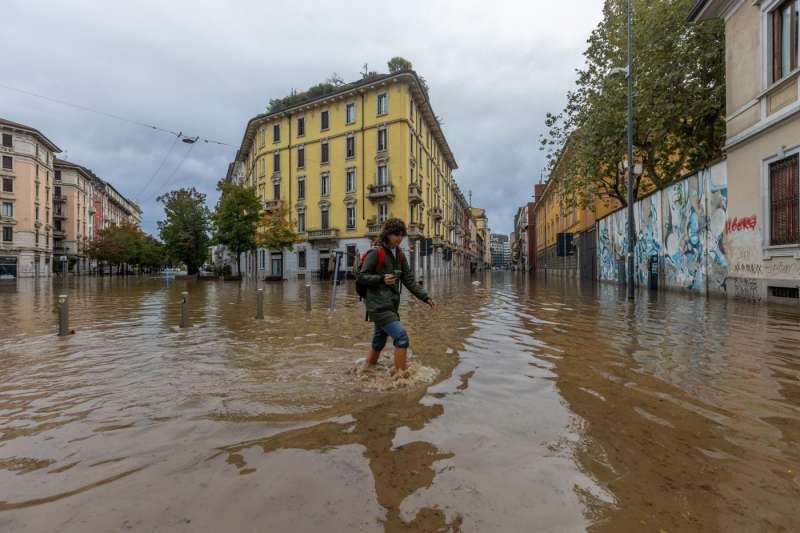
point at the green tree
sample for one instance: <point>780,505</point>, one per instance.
<point>679,103</point>
<point>275,230</point>
<point>185,230</point>
<point>399,64</point>
<point>236,218</point>
<point>126,244</point>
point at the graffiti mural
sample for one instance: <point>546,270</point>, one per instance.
<point>683,224</point>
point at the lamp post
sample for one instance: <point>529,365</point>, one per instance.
<point>631,199</point>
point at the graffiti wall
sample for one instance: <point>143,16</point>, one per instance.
<point>683,225</point>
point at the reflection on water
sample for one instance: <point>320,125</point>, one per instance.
<point>555,408</point>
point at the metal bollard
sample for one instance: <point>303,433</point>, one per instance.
<point>63,316</point>
<point>260,304</point>
<point>308,297</point>
<point>184,309</point>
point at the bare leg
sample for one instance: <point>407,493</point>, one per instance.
<point>400,358</point>
<point>372,356</point>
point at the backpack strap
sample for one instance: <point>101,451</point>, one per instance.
<point>381,259</point>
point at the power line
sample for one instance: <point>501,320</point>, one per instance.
<point>186,155</point>
<point>110,115</point>
<point>171,146</point>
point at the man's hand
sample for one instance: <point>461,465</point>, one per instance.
<point>390,279</point>
<point>431,303</point>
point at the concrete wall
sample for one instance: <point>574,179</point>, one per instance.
<point>683,225</point>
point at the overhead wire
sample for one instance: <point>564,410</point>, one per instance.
<point>177,134</point>
<point>168,182</point>
<point>164,160</point>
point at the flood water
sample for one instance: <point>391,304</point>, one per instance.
<point>555,407</point>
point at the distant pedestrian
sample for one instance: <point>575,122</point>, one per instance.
<point>383,269</point>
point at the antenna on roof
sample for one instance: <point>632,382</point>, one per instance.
<point>366,70</point>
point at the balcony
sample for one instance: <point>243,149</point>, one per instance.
<point>415,230</point>
<point>436,213</point>
<point>378,192</point>
<point>59,199</point>
<point>59,215</point>
<point>459,230</point>
<point>59,233</point>
<point>438,241</point>
<point>414,193</point>
<point>323,234</point>
<point>374,229</point>
<point>272,205</point>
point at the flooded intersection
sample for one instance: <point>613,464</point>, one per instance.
<point>554,408</point>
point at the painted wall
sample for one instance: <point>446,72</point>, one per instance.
<point>683,224</point>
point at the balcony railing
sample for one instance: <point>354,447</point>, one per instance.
<point>436,212</point>
<point>414,193</point>
<point>272,205</point>
<point>59,214</point>
<point>438,241</point>
<point>415,230</point>
<point>323,234</point>
<point>374,229</point>
<point>59,199</point>
<point>380,191</point>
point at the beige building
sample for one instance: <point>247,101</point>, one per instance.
<point>762,234</point>
<point>483,237</point>
<point>26,195</point>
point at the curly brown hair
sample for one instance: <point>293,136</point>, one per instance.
<point>393,226</point>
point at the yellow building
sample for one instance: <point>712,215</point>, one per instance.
<point>26,243</point>
<point>345,161</point>
<point>482,238</point>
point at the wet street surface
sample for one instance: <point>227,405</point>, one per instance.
<point>554,407</point>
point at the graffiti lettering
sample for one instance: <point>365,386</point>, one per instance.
<point>781,269</point>
<point>748,268</point>
<point>746,288</point>
<point>739,224</point>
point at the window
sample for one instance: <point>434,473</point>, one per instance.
<point>262,136</point>
<point>382,140</point>
<point>411,109</point>
<point>37,213</point>
<point>351,217</point>
<point>301,222</point>
<point>8,209</point>
<point>301,188</point>
<point>325,184</point>
<point>8,234</point>
<point>301,126</point>
<point>301,157</point>
<point>301,259</point>
<point>8,185</point>
<point>324,120</point>
<point>8,140</point>
<point>263,259</point>
<point>383,175</point>
<point>57,174</point>
<point>8,162</point>
<point>350,112</point>
<point>323,157</point>
<point>276,133</point>
<point>324,217</point>
<point>262,166</point>
<point>784,38</point>
<point>784,214</point>
<point>276,162</point>
<point>350,180</point>
<point>383,212</point>
<point>383,103</point>
<point>276,190</point>
<point>351,255</point>
<point>350,147</point>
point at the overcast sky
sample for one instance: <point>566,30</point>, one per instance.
<point>205,68</point>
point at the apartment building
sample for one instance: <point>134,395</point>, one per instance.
<point>762,230</point>
<point>344,161</point>
<point>26,173</point>
<point>482,238</point>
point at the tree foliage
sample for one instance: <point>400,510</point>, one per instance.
<point>399,64</point>
<point>185,230</point>
<point>235,218</point>
<point>126,244</point>
<point>275,230</point>
<point>679,103</point>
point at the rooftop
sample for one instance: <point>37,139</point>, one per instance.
<point>16,125</point>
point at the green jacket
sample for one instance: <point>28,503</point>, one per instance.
<point>383,301</point>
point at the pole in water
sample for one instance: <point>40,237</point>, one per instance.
<point>308,297</point>
<point>184,309</point>
<point>63,316</point>
<point>335,281</point>
<point>260,304</point>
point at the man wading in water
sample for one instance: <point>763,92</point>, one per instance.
<point>382,270</point>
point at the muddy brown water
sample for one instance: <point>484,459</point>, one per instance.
<point>557,407</point>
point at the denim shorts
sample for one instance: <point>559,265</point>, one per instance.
<point>395,330</point>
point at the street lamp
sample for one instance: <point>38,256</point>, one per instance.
<point>627,71</point>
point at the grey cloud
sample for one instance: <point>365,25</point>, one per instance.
<point>206,68</point>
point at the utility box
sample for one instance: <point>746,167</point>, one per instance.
<point>653,273</point>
